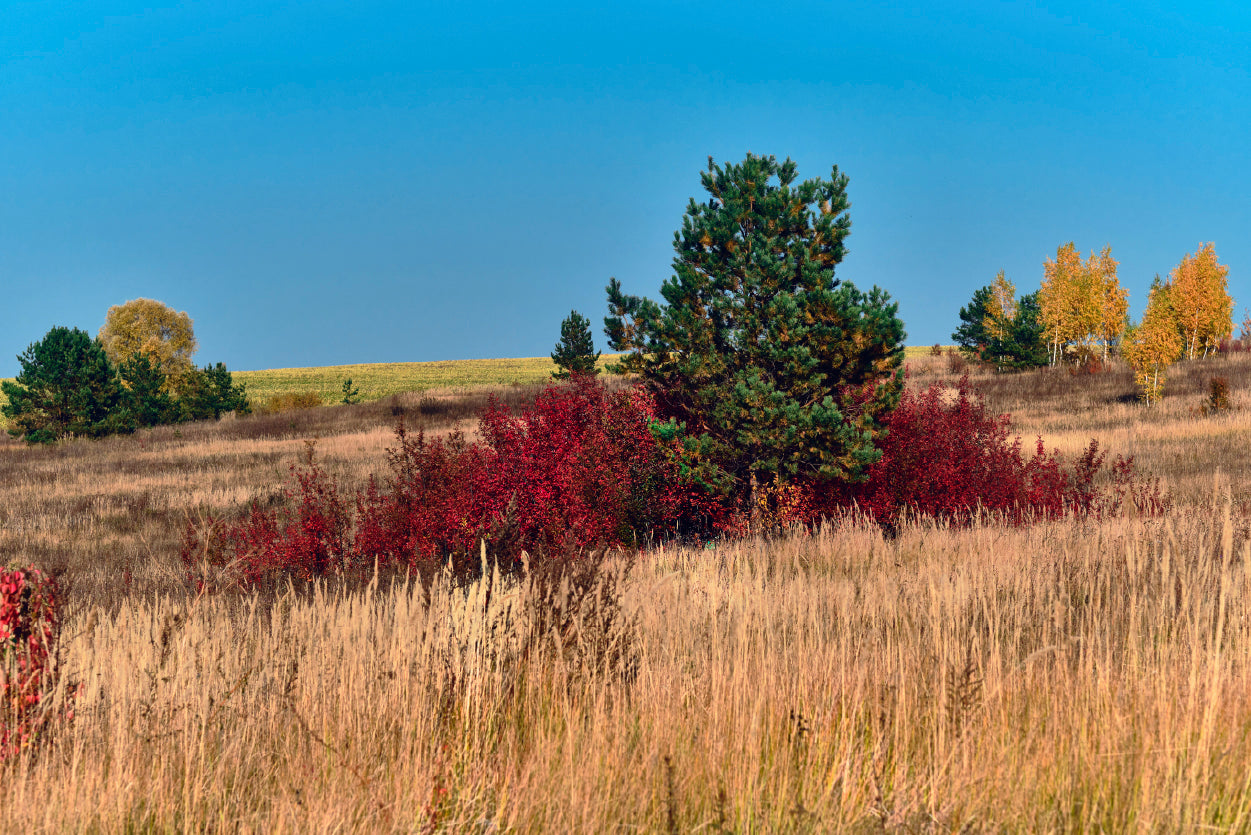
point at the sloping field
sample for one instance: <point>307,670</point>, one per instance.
<point>377,380</point>
<point>381,379</point>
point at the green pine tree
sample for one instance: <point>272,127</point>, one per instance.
<point>1022,346</point>
<point>67,387</point>
<point>971,336</point>
<point>351,394</point>
<point>766,363</point>
<point>575,352</point>
<point>146,402</point>
<point>209,393</point>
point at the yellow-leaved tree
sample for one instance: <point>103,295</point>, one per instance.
<point>1112,297</point>
<point>1057,299</point>
<point>1154,344</point>
<point>1082,305</point>
<point>1199,290</point>
<point>151,328</point>
<point>1000,308</point>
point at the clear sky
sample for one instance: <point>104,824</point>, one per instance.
<point>320,183</point>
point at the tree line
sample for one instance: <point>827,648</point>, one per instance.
<point>1080,315</point>
<point>137,372</point>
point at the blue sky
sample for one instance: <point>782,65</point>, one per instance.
<point>320,183</point>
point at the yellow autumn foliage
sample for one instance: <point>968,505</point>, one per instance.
<point>1001,309</point>
<point>1154,344</point>
<point>1200,296</point>
<point>149,327</point>
<point>1082,305</point>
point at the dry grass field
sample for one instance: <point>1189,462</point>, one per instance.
<point>1069,677</point>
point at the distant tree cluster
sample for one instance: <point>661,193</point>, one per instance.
<point>1001,330</point>
<point>1082,305</point>
<point>70,385</point>
<point>1080,315</point>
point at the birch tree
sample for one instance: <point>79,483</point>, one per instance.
<point>1081,304</point>
<point>1153,344</point>
<point>1199,291</point>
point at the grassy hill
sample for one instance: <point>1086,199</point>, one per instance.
<point>378,380</point>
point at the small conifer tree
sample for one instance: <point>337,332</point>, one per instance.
<point>351,394</point>
<point>575,353</point>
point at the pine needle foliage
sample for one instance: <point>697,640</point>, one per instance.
<point>67,387</point>
<point>998,329</point>
<point>763,360</point>
<point>575,352</point>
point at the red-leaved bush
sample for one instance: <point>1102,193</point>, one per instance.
<point>582,469</point>
<point>947,457</point>
<point>29,627</point>
<point>579,470</point>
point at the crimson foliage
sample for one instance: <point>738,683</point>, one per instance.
<point>29,627</point>
<point>946,456</point>
<point>579,470</point>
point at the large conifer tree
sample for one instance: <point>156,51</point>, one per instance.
<point>767,363</point>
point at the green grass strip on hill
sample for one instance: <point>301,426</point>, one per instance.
<point>378,380</point>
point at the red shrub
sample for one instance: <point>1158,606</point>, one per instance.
<point>29,628</point>
<point>583,469</point>
<point>580,469</point>
<point>313,541</point>
<point>945,456</point>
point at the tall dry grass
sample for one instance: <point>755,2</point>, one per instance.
<point>1061,678</point>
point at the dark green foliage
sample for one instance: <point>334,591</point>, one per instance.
<point>351,396</point>
<point>1026,347</point>
<point>764,361</point>
<point>66,387</point>
<point>971,336</point>
<point>146,401</point>
<point>575,353</point>
<point>209,393</point>
<point>1022,348</point>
